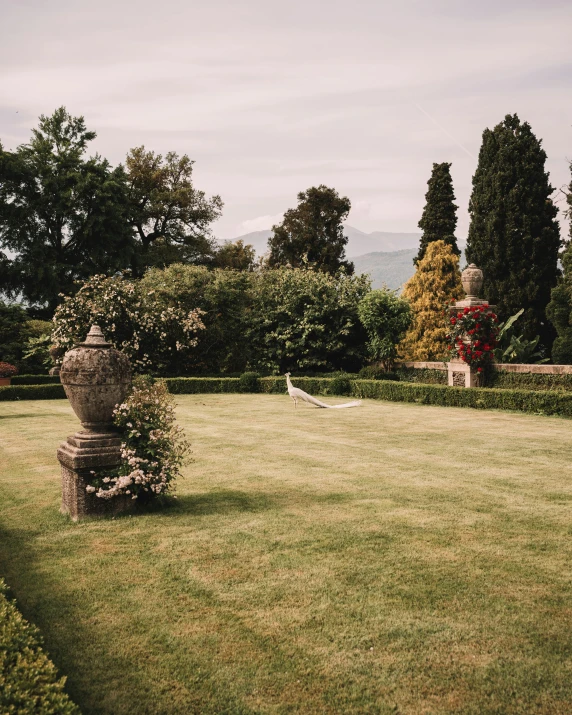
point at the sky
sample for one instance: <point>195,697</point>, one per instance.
<point>270,98</point>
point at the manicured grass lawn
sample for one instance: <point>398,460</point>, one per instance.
<point>392,558</point>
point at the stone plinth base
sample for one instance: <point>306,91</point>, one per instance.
<point>83,452</point>
<point>462,375</point>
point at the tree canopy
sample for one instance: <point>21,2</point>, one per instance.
<point>62,216</point>
<point>559,310</point>
<point>514,236</point>
<point>312,234</point>
<point>439,219</point>
<point>386,318</point>
<point>170,216</point>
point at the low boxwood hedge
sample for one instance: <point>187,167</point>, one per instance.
<point>544,402</point>
<point>32,392</point>
<point>198,385</point>
<point>548,402</point>
<point>36,380</point>
<point>29,682</point>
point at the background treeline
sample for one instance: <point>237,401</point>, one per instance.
<point>66,217</point>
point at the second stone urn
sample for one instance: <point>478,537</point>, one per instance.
<point>96,378</point>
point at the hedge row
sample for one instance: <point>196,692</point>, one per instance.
<point>36,380</point>
<point>32,392</point>
<point>544,402</point>
<point>29,682</point>
<point>548,402</point>
<point>536,402</point>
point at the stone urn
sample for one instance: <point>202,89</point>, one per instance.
<point>96,377</point>
<point>472,280</point>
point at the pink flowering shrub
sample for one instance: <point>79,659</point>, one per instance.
<point>153,448</point>
<point>149,330</point>
<point>7,370</point>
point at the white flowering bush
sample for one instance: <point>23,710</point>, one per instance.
<point>153,447</point>
<point>152,333</point>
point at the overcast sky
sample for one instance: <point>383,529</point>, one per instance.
<point>270,98</point>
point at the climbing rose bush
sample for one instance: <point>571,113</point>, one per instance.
<point>153,447</point>
<point>473,336</point>
<point>151,332</point>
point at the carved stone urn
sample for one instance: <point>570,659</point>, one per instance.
<point>96,377</point>
<point>472,280</point>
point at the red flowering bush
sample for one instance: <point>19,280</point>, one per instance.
<point>7,370</point>
<point>473,335</point>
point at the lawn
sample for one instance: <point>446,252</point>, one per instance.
<point>392,558</point>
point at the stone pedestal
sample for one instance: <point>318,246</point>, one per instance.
<point>96,378</point>
<point>78,456</point>
<point>462,375</point>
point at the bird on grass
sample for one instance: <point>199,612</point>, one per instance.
<point>297,394</point>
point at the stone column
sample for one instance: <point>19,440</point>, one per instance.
<point>96,377</point>
<point>459,373</point>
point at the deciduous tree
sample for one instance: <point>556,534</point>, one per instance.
<point>312,234</point>
<point>171,217</point>
<point>386,318</point>
<point>62,216</point>
<point>559,310</point>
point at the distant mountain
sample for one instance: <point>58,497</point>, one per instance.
<point>386,257</point>
<point>392,268</point>
<point>358,241</point>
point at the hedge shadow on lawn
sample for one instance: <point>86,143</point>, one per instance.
<point>223,501</point>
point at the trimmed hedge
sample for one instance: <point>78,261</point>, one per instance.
<point>32,392</point>
<point>543,402</point>
<point>547,402</point>
<point>29,682</point>
<point>36,380</point>
<point>198,385</point>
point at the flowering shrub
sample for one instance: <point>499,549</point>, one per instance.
<point>153,448</point>
<point>7,370</point>
<point>150,332</point>
<point>473,336</point>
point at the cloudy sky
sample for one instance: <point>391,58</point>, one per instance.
<point>270,97</point>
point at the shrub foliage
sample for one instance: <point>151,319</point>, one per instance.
<point>29,683</point>
<point>435,284</point>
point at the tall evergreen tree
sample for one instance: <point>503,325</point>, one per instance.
<point>439,219</point>
<point>313,232</point>
<point>559,310</point>
<point>514,235</point>
<point>434,285</point>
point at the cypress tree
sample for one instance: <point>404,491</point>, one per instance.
<point>435,284</point>
<point>514,236</point>
<point>439,218</point>
<point>559,310</point>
